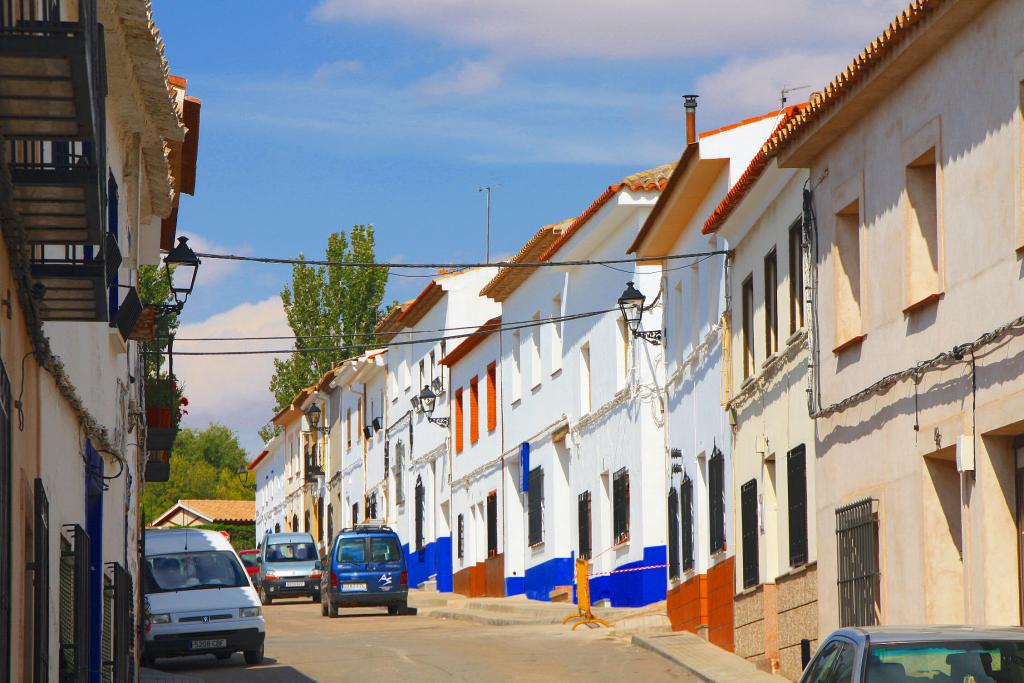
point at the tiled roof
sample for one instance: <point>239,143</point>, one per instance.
<point>471,342</point>
<point>508,279</point>
<point>387,327</point>
<point>651,180</point>
<point>256,461</point>
<point>690,153</point>
<point>754,170</point>
<point>901,29</point>
<point>214,510</point>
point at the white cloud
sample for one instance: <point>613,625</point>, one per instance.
<point>232,390</point>
<point>212,271</point>
<point>541,29</point>
<point>471,77</point>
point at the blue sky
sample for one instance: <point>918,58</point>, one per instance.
<point>318,115</point>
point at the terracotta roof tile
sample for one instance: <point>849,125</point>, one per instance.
<point>223,510</point>
<point>471,342</point>
<point>508,279</point>
<point>901,29</point>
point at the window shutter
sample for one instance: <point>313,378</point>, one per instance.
<point>458,420</point>
<point>536,506</point>
<point>686,501</point>
<point>492,524</point>
<point>492,397</point>
<point>620,504</point>
<point>462,537</point>
<point>474,410</point>
<point>796,477</point>
<point>420,503</point>
<point>751,560</point>
<point>673,534</point>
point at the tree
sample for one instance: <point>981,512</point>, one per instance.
<point>330,308</point>
<point>203,465</point>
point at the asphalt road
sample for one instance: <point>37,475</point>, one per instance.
<point>368,646</point>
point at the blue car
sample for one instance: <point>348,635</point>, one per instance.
<point>366,568</point>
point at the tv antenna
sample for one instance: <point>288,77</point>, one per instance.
<point>487,189</point>
<point>785,91</point>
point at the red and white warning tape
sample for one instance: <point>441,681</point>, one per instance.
<point>630,569</point>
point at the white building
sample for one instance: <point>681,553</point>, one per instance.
<point>268,471</point>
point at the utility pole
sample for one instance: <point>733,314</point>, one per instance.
<point>487,189</point>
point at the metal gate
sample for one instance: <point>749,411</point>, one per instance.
<point>857,553</point>
<point>673,534</point>
<point>749,530</point>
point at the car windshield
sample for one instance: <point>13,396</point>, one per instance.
<point>249,559</point>
<point>193,570</point>
<point>291,552</point>
<point>985,661</point>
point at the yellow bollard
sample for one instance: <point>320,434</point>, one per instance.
<point>583,614</point>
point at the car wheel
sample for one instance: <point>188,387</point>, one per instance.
<point>254,657</point>
<point>332,610</point>
<point>393,609</point>
<point>323,606</point>
<point>315,597</point>
<point>264,598</point>
<point>224,655</point>
<point>148,661</point>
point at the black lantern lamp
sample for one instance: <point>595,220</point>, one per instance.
<point>313,414</point>
<point>631,303</point>
<point>243,476</point>
<point>182,266</point>
<point>427,403</point>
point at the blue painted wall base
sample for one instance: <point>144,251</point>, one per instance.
<point>514,585</point>
<point>634,589</point>
<point>434,559</point>
<point>541,579</point>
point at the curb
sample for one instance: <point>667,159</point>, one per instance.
<point>741,671</point>
<point>646,644</point>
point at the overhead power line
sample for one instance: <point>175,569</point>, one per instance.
<point>461,266</point>
<point>324,349</point>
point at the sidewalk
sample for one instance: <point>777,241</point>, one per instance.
<point>702,659</point>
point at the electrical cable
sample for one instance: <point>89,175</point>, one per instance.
<point>325,349</point>
<point>458,266</point>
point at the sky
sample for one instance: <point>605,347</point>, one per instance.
<point>321,114</point>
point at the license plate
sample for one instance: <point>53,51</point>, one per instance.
<point>352,587</point>
<point>294,584</point>
<point>209,644</point>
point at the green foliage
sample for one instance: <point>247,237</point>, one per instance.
<point>343,302</point>
<point>269,431</point>
<point>155,289</point>
<point>242,537</point>
<point>203,465</point>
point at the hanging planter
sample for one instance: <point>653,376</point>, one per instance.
<point>165,407</point>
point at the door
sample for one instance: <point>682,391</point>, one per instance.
<point>383,564</point>
<point>1019,454</point>
<point>354,575</point>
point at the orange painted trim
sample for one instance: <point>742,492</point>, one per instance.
<point>850,343</point>
<point>923,303</point>
<point>177,81</point>
<point>744,122</point>
<point>256,461</point>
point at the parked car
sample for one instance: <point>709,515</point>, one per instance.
<point>250,560</point>
<point>289,567</point>
<point>198,597</point>
<point>910,654</point>
<point>365,568</point>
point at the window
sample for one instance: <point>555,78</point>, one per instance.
<point>556,334</point>
<point>423,375</point>
<point>857,555</point>
<point>355,514</point>
<point>535,505</point>
<point>535,360</point>
<point>585,385</point>
<point>748,522</point>
<point>360,421</point>
<point>41,595</point>
<point>922,235</point>
<point>461,536</point>
<point>74,606</point>
<point>348,428</point>
<point>430,377</point>
<point>716,500</point>
<point>113,218</point>
<point>458,420</point>
<point>673,534</point>
<point>492,524</point>
<point>420,498</point>
<point>5,516</point>
<point>848,275</point>
<point>517,368</point>
<point>474,410</point>
<point>796,277</point>
<point>492,397</point>
<point>796,495</point>
<point>686,503</point>
<point>371,506</point>
<point>748,327</point>
<point>622,346</point>
<point>771,304</point>
<point>305,526</point>
<point>620,506</point>
<point>584,519</point>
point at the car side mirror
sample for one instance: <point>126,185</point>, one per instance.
<point>318,565</point>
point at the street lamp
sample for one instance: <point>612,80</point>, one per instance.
<point>243,474</point>
<point>631,303</point>
<point>182,265</point>
<point>313,414</point>
<point>427,401</point>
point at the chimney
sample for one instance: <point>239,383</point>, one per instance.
<point>690,104</point>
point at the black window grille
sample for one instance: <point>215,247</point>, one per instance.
<point>355,514</point>
<point>41,576</point>
<point>74,596</point>
<point>673,534</point>
<point>305,521</point>
<point>796,493</point>
<point>586,547</point>
<point>330,522</point>
<point>462,537</point>
<point>295,522</point>
<point>857,552</point>
<point>535,505</point>
<point>5,522</point>
<point>716,500</point>
<point>686,503</point>
<point>399,466</point>
<point>748,521</point>
<point>107,637</point>
<point>492,524</point>
<point>124,624</point>
<point>420,502</point>
<point>620,506</point>
<point>371,506</point>
<point>796,276</point>
<point>319,518</point>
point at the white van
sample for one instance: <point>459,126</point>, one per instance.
<point>199,598</point>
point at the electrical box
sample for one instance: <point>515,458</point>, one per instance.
<point>965,453</point>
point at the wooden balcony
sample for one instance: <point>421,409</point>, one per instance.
<point>52,70</point>
<point>69,282</point>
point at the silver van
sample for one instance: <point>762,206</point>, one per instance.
<point>289,567</point>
